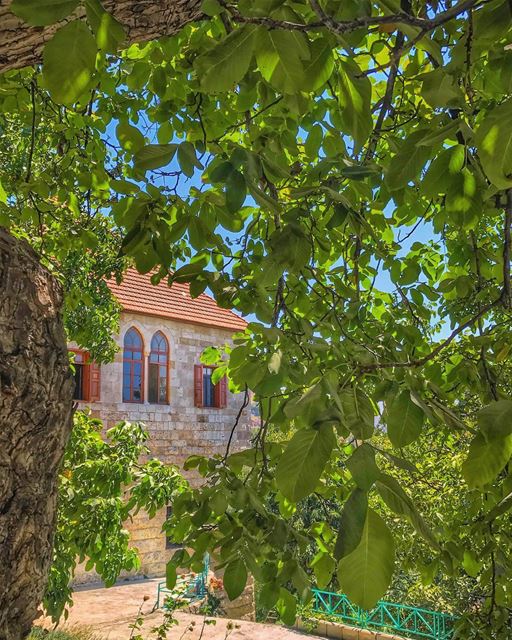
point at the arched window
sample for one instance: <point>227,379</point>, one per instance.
<point>158,369</point>
<point>133,367</point>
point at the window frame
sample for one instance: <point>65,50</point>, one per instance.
<point>220,389</point>
<point>132,362</point>
<point>167,368</point>
<point>86,374</point>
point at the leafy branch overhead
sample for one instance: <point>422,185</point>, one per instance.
<point>341,174</point>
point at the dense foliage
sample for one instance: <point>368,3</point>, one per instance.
<point>341,173</point>
<point>104,482</point>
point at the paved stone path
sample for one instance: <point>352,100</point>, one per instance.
<point>109,612</point>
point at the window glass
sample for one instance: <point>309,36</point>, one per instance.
<point>208,388</point>
<point>79,381</point>
<point>133,372</point>
<point>158,369</point>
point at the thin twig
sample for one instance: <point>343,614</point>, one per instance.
<point>33,130</point>
<point>237,420</point>
<point>506,250</point>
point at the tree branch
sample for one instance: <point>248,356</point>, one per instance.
<point>507,298</point>
<point>340,27</point>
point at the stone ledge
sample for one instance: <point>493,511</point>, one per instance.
<point>338,631</point>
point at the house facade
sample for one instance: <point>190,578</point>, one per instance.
<point>157,378</point>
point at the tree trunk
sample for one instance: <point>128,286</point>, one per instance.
<point>21,45</point>
<point>36,390</point>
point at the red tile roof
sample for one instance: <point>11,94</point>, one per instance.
<point>138,295</point>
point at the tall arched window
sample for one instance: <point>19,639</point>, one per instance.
<point>133,367</point>
<point>158,369</point>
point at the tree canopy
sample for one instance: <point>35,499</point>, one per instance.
<point>341,174</point>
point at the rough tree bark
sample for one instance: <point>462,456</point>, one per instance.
<point>21,45</point>
<point>36,390</point>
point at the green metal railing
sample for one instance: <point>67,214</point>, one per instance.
<point>411,622</point>
<point>188,588</point>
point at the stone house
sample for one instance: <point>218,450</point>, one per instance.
<point>157,378</point>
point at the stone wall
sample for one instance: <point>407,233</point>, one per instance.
<point>178,429</point>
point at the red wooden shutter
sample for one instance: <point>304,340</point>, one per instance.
<point>198,385</point>
<point>94,382</point>
<point>221,393</point>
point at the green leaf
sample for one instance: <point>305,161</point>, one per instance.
<point>40,13</point>
<point>362,466</point>
<point>291,247</point>
<point>496,419</point>
<point>448,132</point>
<point>211,7</point>
<point>486,458</point>
<point>303,461</point>
<point>365,574</point>
<point>69,60</point>
<point>410,159</point>
<point>493,139</point>
<point>402,504</point>
<point>404,420</point>
<point>359,172</point>
<point>318,69</point>
<point>236,191</point>
<point>130,138</point>
<point>353,518</point>
<point>323,566</point>
<point>440,89</point>
<point>286,607</point>
<point>154,156</point>
<point>280,60</point>
<point>274,364</point>
<point>355,99</point>
<point>109,32</point>
<point>187,158</point>
<point>358,412</point>
<point>235,578</point>
<point>170,575</point>
<point>227,62</point>
<point>471,564</point>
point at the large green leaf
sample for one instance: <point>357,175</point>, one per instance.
<point>43,12</point>
<point>402,504</point>
<point>496,419</point>
<point>287,607</point>
<point>109,32</point>
<point>362,466</point>
<point>227,62</point>
<point>440,89</point>
<point>358,413</point>
<point>486,458</point>
<point>280,62</point>
<point>129,137</point>
<point>404,420</point>
<point>303,461</point>
<point>235,578</point>
<point>365,574</point>
<point>493,139</point>
<point>323,566</point>
<point>353,518</point>
<point>68,62</point>
<point>318,69</point>
<point>355,99</point>
<point>154,156</point>
<point>410,159</point>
